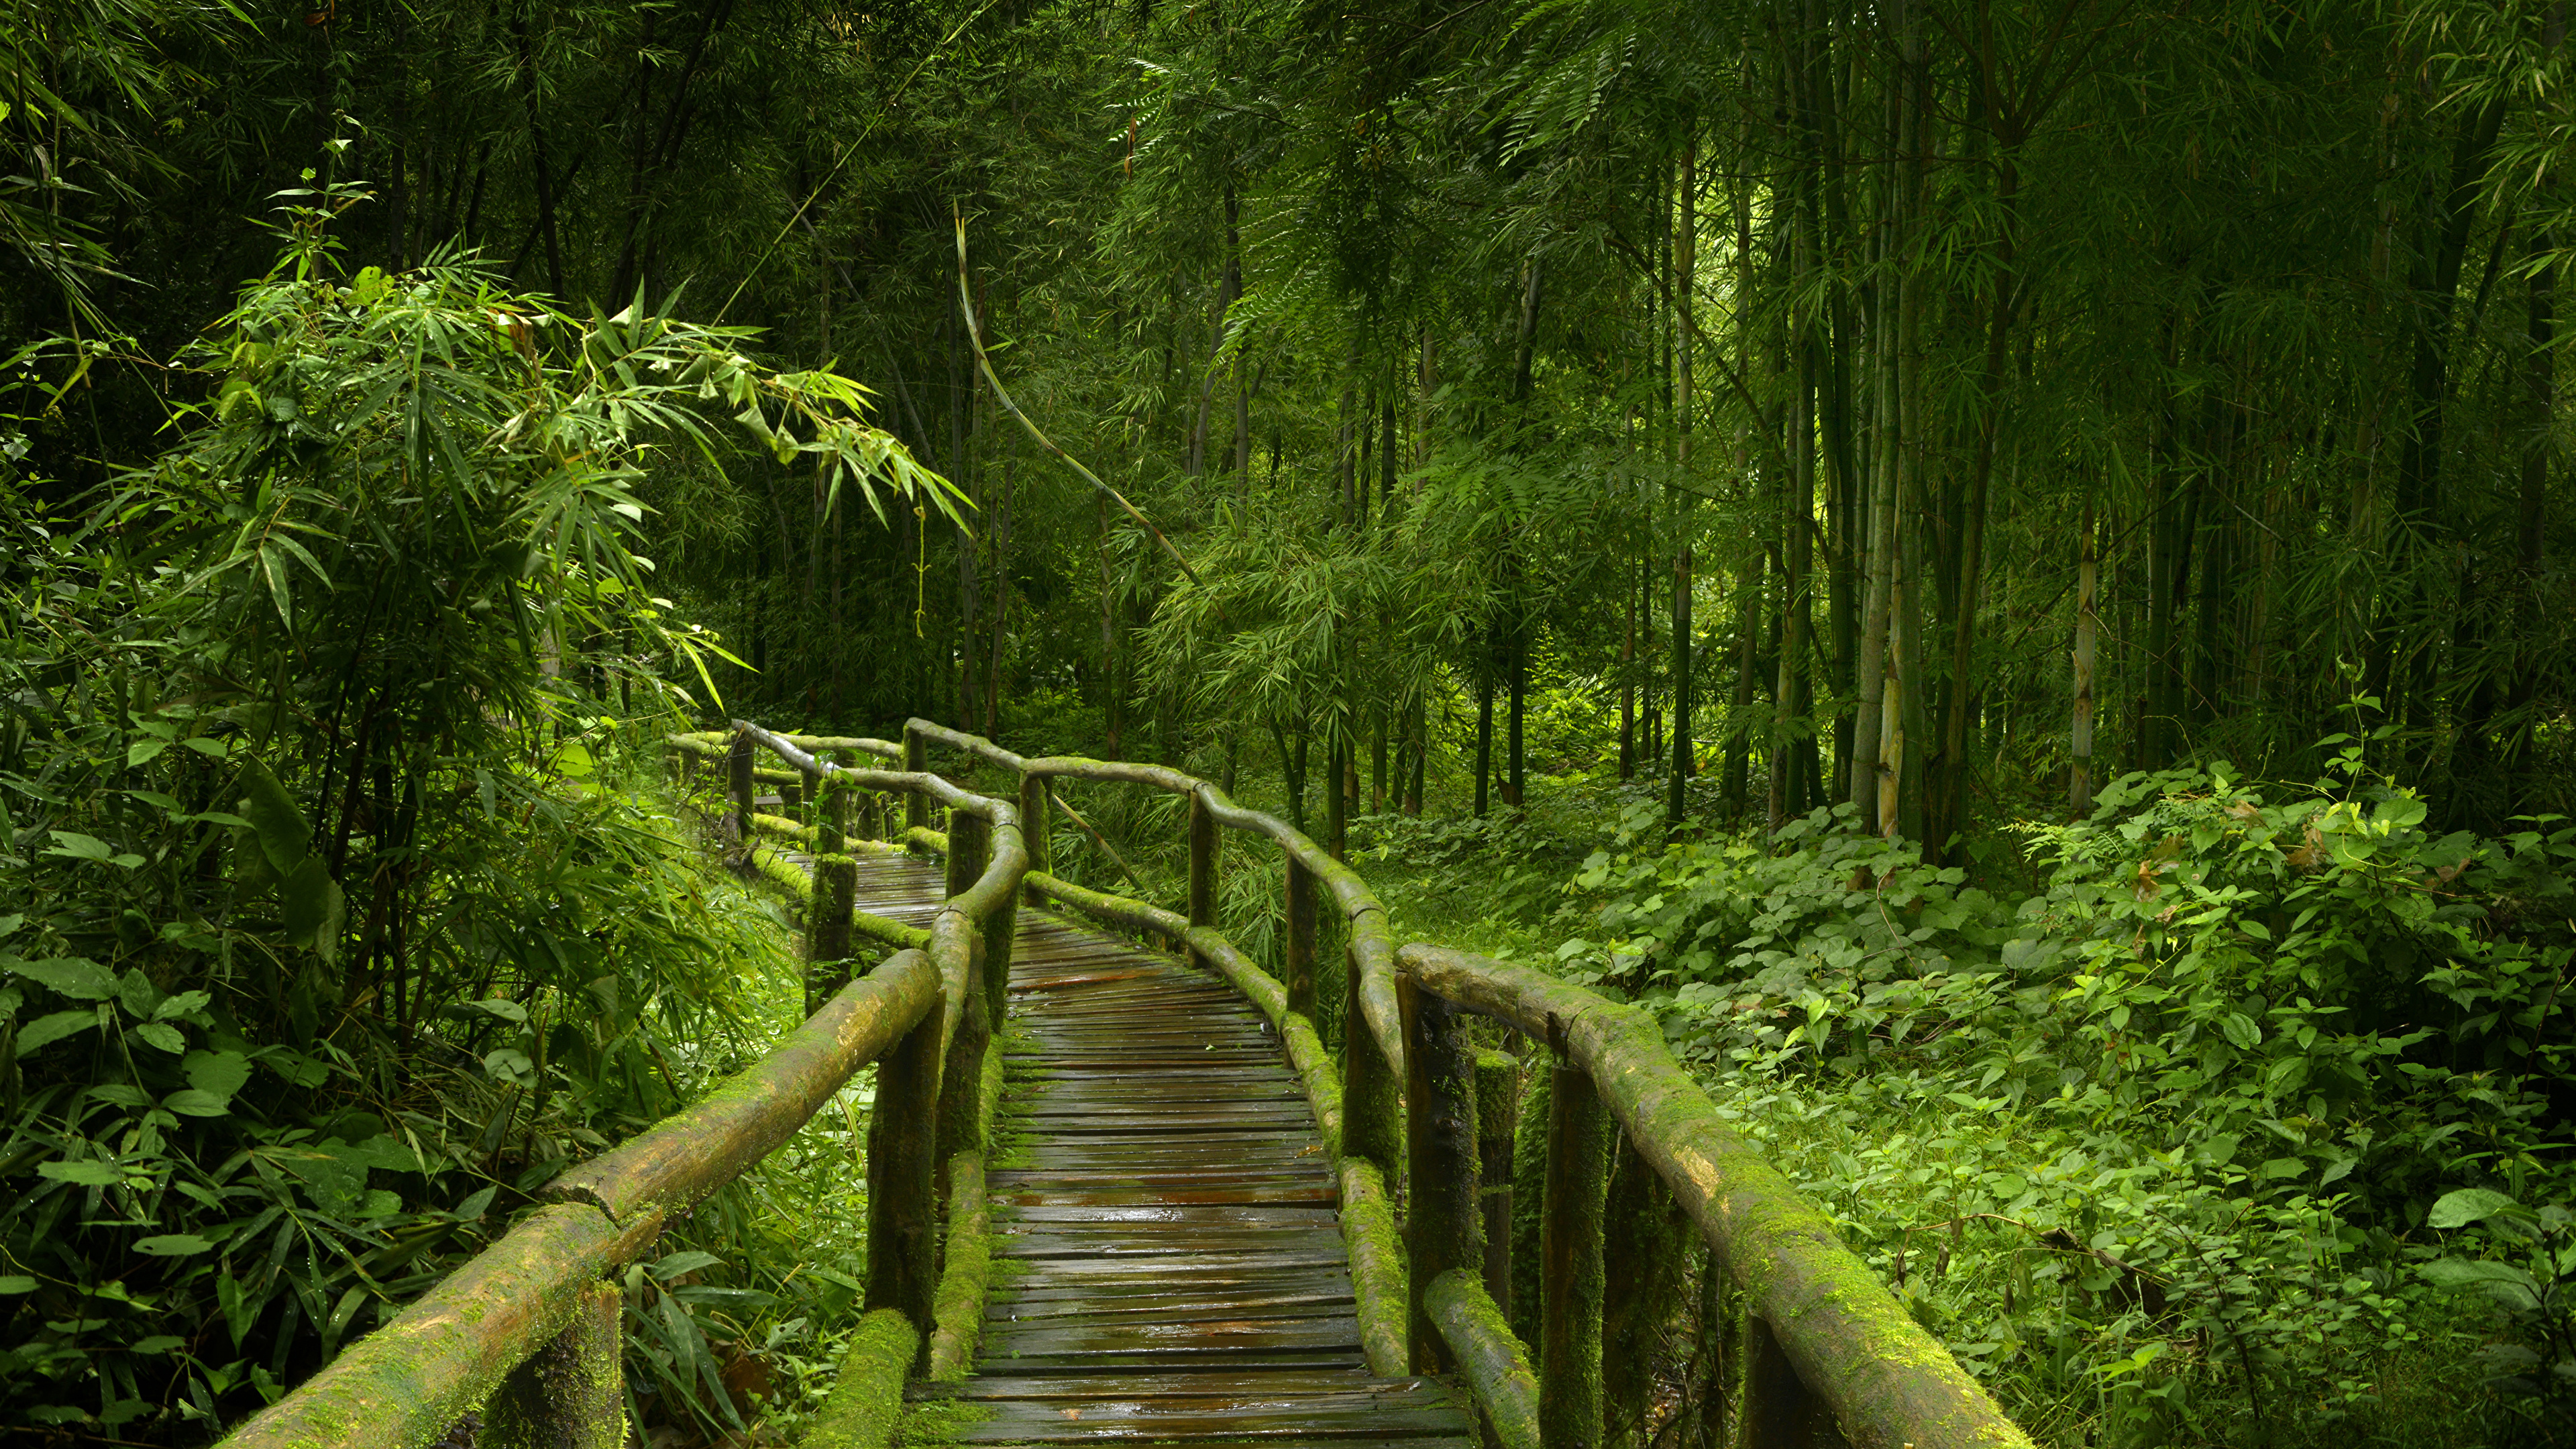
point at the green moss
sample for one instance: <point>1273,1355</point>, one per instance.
<point>867,1399</point>
<point>935,1422</point>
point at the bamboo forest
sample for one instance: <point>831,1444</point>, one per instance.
<point>1553,724</point>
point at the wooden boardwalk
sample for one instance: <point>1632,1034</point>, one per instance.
<point>1169,1267</point>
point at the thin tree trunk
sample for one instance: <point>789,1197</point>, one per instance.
<point>1686,248</point>
<point>2079,771</point>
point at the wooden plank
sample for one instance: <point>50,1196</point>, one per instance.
<point>1147,1420</point>
<point>1335,1384</point>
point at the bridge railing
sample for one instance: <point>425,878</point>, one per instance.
<point>526,1334</point>
<point>1822,1354</point>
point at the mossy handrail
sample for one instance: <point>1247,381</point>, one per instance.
<point>1828,1355</point>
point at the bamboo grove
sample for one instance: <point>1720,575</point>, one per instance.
<point>1935,408</point>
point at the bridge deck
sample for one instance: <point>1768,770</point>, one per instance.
<point>1169,1265</point>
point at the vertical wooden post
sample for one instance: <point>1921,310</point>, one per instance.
<point>791,801</point>
<point>1778,1412</point>
<point>570,1394</point>
<point>738,768</point>
<point>961,1082</point>
<point>903,1215</point>
<point>831,816</point>
<point>1035,835</point>
<point>1570,1276</point>
<point>1370,1092</point>
<point>1498,1090</point>
<point>968,846</point>
<point>1707,1429</point>
<point>1443,1228</point>
<point>827,928</point>
<point>1299,964</point>
<point>1001,926</point>
<point>970,850</point>
<point>916,806</point>
<point>1203,859</point>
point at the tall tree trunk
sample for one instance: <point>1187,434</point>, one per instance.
<point>1685,270</point>
<point>2079,770</point>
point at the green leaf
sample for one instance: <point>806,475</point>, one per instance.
<point>672,1266</point>
<point>2467,1205</point>
<point>77,977</point>
<point>283,835</point>
<point>76,846</point>
<point>143,751</point>
<point>206,746</point>
<point>194,1103</point>
<point>44,1031</point>
<point>217,1074</point>
<point>88,1172</point>
<point>17,1283</point>
<point>314,906</point>
<point>163,1035</point>
<point>171,1245</point>
<point>2241,1031</point>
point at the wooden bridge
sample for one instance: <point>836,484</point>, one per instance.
<point>1124,1193</point>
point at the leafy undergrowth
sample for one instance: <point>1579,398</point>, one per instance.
<point>2242,1127</point>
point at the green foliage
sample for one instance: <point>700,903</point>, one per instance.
<point>2164,1134</point>
<point>332,922</point>
<point>2527,1266</point>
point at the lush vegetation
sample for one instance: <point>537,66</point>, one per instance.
<point>2001,564</point>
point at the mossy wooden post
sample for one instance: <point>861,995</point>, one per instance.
<point>1035,834</point>
<point>1299,962</point>
<point>831,816</point>
<point>961,1083</point>
<point>571,1394</point>
<point>1203,857</point>
<point>903,1214</point>
<point>827,928</point>
<point>738,778</point>
<point>1370,1092</point>
<point>1443,1225</point>
<point>969,844</point>
<point>1778,1412</point>
<point>970,851</point>
<point>791,801</point>
<point>1498,1090</point>
<point>916,806</point>
<point>1570,1277</point>
<point>1644,1252</point>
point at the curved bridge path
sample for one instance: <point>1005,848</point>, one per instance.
<point>1168,1267</point>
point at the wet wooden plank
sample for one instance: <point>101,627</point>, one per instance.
<point>1339,1384</point>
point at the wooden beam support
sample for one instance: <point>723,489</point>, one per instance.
<point>1444,1226</point>
<point>1299,959</point>
<point>1570,1281</point>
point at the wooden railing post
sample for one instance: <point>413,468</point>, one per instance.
<point>831,816</point>
<point>1370,1092</point>
<point>1035,835</point>
<point>1203,863</point>
<point>1498,1090</point>
<point>1778,1412</point>
<point>1570,1278</point>
<point>961,1084</point>
<point>916,806</point>
<point>571,1394</point>
<point>970,850</point>
<point>791,801</point>
<point>827,928</point>
<point>903,1213</point>
<point>1443,1227</point>
<point>1298,964</point>
<point>738,767</point>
